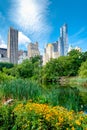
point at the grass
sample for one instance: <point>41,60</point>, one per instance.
<point>29,90</point>
<point>20,89</point>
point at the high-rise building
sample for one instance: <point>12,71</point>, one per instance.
<point>33,50</point>
<point>51,51</point>
<point>55,46</point>
<point>47,53</point>
<point>12,50</point>
<point>59,48</point>
<point>63,41</point>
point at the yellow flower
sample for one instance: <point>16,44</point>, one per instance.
<point>60,119</point>
<point>70,117</point>
<point>72,128</point>
<point>57,124</point>
<point>81,118</point>
<point>78,122</point>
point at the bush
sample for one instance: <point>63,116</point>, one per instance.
<point>4,77</point>
<point>83,70</point>
<point>5,65</point>
<point>6,117</point>
<point>34,116</point>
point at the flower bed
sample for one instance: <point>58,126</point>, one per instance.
<point>34,116</point>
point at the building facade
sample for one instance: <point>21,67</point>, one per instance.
<point>59,48</point>
<point>51,51</point>
<point>3,52</point>
<point>33,50</point>
<point>12,50</point>
<point>63,40</point>
<point>22,55</point>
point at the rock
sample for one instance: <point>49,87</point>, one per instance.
<point>8,101</point>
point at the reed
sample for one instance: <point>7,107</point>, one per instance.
<point>21,89</point>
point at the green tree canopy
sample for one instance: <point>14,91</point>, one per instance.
<point>83,70</point>
<point>5,65</point>
<point>75,53</point>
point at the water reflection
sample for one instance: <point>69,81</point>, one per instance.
<point>66,96</point>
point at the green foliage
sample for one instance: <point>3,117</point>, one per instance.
<point>37,67</point>
<point>74,53</point>
<point>63,66</point>
<point>84,56</point>
<point>81,85</point>
<point>65,96</point>
<point>4,77</point>
<point>20,89</point>
<point>29,68</point>
<point>36,59</point>
<point>6,117</point>
<point>5,65</point>
<point>35,116</point>
<point>24,90</point>
<point>83,70</point>
<point>25,70</point>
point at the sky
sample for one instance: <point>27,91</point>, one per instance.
<point>40,20</point>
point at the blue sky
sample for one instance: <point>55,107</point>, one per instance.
<point>40,20</point>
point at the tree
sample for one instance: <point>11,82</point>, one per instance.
<point>83,70</point>
<point>84,56</point>
<point>63,66</point>
<point>25,70</point>
<point>5,65</point>
<point>74,53</point>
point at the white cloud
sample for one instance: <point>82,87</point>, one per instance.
<point>23,39</point>
<point>31,16</point>
<point>2,43</point>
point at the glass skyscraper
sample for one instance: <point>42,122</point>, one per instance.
<point>63,40</point>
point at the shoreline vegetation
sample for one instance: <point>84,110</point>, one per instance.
<point>50,97</point>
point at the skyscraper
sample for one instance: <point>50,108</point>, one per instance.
<point>63,40</point>
<point>12,50</point>
<point>51,51</point>
<point>33,50</point>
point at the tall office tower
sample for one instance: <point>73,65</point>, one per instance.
<point>63,40</point>
<point>55,46</point>
<point>33,50</point>
<point>12,50</point>
<point>51,51</point>
<point>55,50</point>
<point>61,47</point>
<point>48,53</point>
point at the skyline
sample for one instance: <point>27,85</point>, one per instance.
<point>39,20</point>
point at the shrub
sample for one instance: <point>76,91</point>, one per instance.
<point>34,116</point>
<point>4,77</point>
<point>83,70</point>
<point>6,117</point>
<point>5,65</point>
